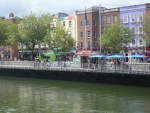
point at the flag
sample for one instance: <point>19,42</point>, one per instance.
<point>86,21</point>
<point>100,14</point>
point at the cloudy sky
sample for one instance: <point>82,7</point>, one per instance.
<point>24,7</point>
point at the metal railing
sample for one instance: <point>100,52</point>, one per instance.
<point>126,68</point>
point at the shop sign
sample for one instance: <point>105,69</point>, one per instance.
<point>87,53</point>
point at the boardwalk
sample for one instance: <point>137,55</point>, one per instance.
<point>142,68</point>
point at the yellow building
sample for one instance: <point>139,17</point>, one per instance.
<point>70,25</point>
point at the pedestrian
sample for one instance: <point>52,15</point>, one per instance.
<point>148,60</point>
<point>115,62</point>
<point>118,62</point>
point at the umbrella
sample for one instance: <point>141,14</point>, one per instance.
<point>137,56</point>
<point>98,56</point>
<point>117,56</point>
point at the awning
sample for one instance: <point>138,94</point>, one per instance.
<point>87,53</point>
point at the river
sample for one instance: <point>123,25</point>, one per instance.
<point>26,95</point>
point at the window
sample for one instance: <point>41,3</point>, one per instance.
<point>94,34</point>
<point>125,19</point>
<point>140,30</point>
<point>88,44</point>
<point>63,23</point>
<point>81,34</point>
<point>132,30</point>
<point>69,23</point>
<point>133,43</point>
<point>132,18</point>
<point>94,22</point>
<point>140,18</point>
<point>81,24</point>
<point>69,33</point>
<point>81,44</point>
<point>140,42</point>
<point>88,34</point>
<point>53,24</point>
<point>88,22</point>
<point>115,19</point>
<point>95,44</point>
<point>108,20</point>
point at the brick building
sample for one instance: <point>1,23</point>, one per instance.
<point>92,29</point>
<point>109,17</point>
<point>10,52</point>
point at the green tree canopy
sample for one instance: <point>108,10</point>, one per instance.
<point>59,38</point>
<point>33,28</point>
<point>30,31</point>
<point>146,28</point>
<point>12,33</point>
<point>116,37</point>
<point>3,30</point>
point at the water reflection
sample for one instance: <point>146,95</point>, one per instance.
<point>21,95</point>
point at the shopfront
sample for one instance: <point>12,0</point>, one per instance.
<point>83,57</point>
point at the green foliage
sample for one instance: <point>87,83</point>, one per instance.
<point>3,30</point>
<point>146,28</point>
<point>30,31</point>
<point>59,38</point>
<point>116,37</point>
<point>33,28</point>
<point>13,36</point>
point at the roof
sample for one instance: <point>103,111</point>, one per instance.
<point>59,15</point>
<point>16,17</point>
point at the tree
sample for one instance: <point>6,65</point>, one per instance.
<point>31,30</point>
<point>3,30</point>
<point>12,33</point>
<point>116,37</point>
<point>146,28</point>
<point>60,38</point>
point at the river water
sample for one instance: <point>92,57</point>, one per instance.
<point>26,95</point>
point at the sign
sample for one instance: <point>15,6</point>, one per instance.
<point>55,49</point>
<point>87,53</point>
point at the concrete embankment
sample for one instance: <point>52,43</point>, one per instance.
<point>129,74</point>
<point>95,77</point>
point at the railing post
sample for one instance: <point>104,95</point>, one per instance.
<point>100,67</point>
<point>94,67</point>
<point>129,69</point>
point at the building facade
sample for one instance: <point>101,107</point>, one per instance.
<point>109,17</point>
<point>133,17</point>
<point>87,34</point>
<point>10,52</point>
<point>69,23</point>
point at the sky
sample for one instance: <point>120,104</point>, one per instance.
<point>25,7</point>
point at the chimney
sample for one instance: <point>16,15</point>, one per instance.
<point>11,15</point>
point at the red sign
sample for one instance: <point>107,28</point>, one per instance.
<point>87,53</point>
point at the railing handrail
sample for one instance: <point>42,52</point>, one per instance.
<point>88,67</point>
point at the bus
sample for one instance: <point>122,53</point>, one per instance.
<point>53,56</point>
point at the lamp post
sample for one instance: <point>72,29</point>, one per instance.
<point>100,26</point>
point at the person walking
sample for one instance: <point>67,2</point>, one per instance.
<point>115,63</point>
